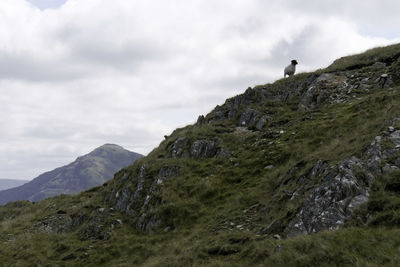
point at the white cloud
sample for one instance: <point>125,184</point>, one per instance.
<point>128,72</point>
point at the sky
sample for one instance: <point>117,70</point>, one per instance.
<point>76,74</point>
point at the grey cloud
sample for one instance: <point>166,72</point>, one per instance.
<point>302,48</point>
<point>43,4</point>
<point>130,76</point>
<point>125,58</point>
<point>51,132</point>
<point>29,163</point>
<point>107,50</point>
<point>241,82</point>
<point>365,14</point>
<point>30,67</point>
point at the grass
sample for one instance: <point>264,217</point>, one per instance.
<point>213,211</point>
<point>386,54</point>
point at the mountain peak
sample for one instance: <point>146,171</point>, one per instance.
<point>86,171</point>
<point>105,146</point>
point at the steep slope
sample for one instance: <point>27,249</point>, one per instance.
<point>10,183</point>
<point>312,143</point>
<point>85,172</point>
<point>301,172</point>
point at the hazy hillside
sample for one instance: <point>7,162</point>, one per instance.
<point>301,172</point>
<point>85,172</point>
<point>9,183</point>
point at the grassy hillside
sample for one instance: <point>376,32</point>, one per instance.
<point>228,190</point>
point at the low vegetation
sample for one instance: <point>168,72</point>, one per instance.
<point>215,211</point>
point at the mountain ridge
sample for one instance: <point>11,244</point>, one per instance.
<point>85,172</point>
<point>10,183</point>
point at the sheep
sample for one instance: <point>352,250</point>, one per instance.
<point>291,69</point>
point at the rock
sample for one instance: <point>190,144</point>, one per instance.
<point>178,147</point>
<point>219,113</point>
<point>269,167</point>
<point>249,117</point>
<point>61,223</point>
<point>332,201</point>
<point>205,148</point>
<point>94,231</point>
<point>141,203</point>
<point>164,173</point>
<point>101,210</point>
<point>140,185</point>
<point>264,119</point>
<point>344,187</point>
<point>201,120</point>
<point>384,81</point>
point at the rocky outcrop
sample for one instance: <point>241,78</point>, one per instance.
<point>341,86</point>
<point>141,202</point>
<point>179,147</point>
<point>312,90</point>
<point>201,148</point>
<point>93,225</point>
<point>344,187</point>
<point>249,117</point>
<point>263,121</point>
<point>207,149</point>
<point>333,200</point>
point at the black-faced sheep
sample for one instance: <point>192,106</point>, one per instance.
<point>291,69</point>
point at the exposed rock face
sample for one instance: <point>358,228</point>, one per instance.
<point>200,120</point>
<point>264,119</point>
<point>345,187</point>
<point>341,86</point>
<point>178,147</point>
<point>249,117</point>
<point>142,201</point>
<point>202,148</point>
<point>333,200</point>
<point>62,223</point>
<point>207,149</point>
<point>96,224</point>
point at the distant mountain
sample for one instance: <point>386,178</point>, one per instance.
<point>9,183</point>
<point>85,172</point>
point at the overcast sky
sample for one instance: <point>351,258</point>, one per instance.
<point>76,74</point>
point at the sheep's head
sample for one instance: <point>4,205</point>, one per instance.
<point>294,62</point>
